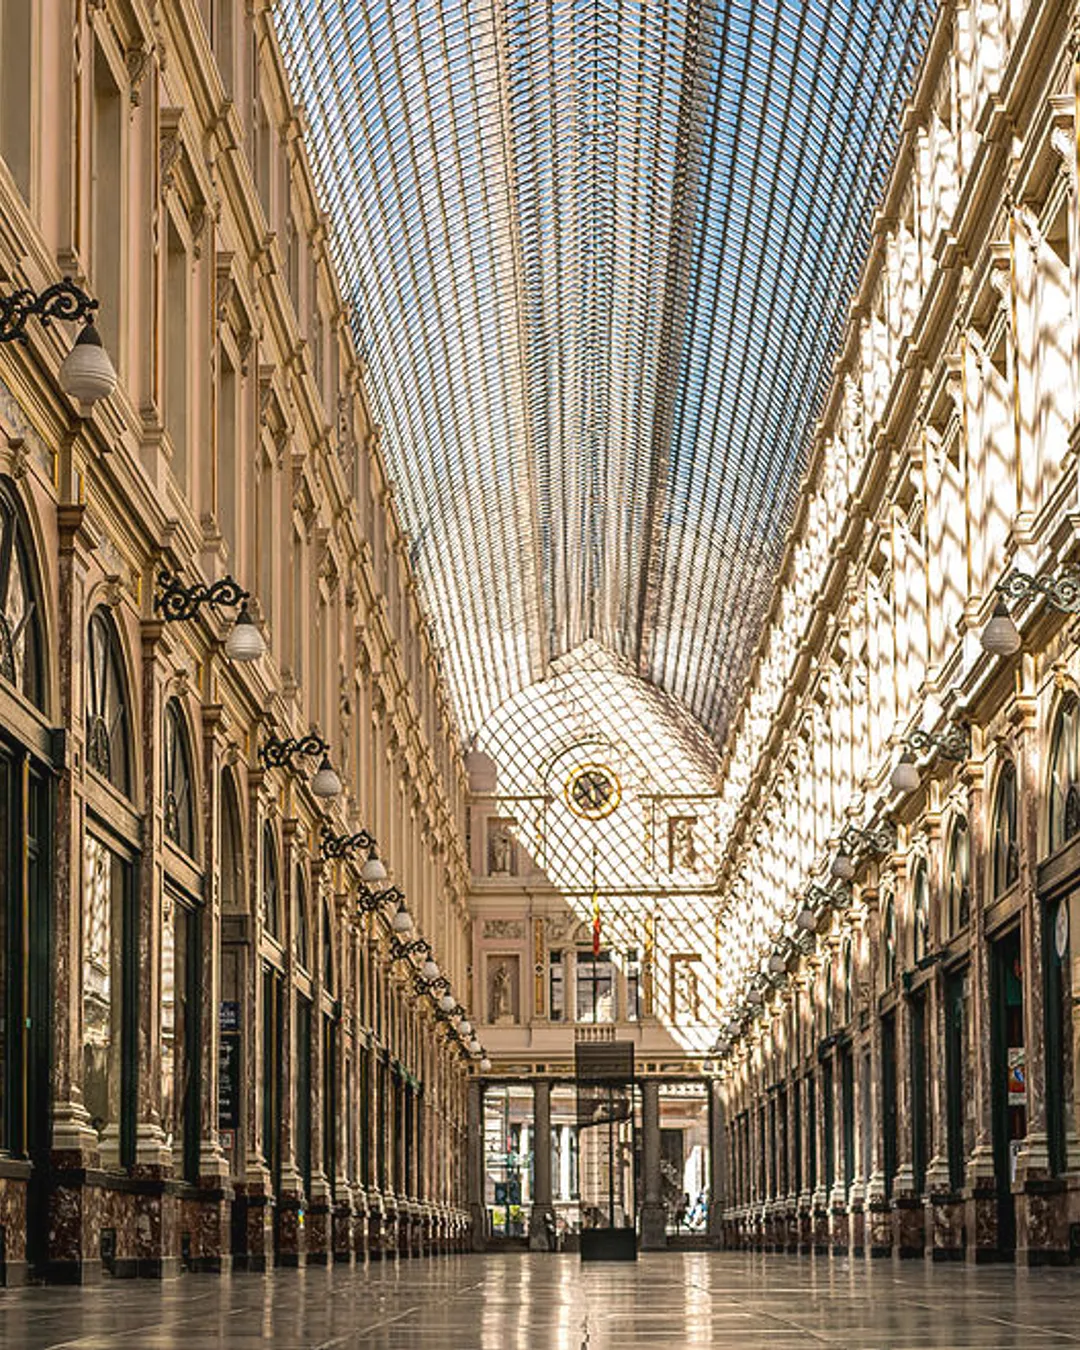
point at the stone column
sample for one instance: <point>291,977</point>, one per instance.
<point>980,1190</point>
<point>908,1230</point>
<point>653,1211</point>
<point>718,1179</point>
<point>475,1164</point>
<point>542,1216</point>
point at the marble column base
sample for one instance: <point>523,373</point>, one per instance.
<point>909,1227</point>
<point>290,1231</point>
<point>653,1226</point>
<point>945,1227</point>
<point>981,1224</point>
<point>879,1228</point>
<point>1042,1222</point>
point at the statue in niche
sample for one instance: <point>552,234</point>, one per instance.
<point>684,991</point>
<point>682,854</point>
<point>500,1006</point>
<point>500,849</point>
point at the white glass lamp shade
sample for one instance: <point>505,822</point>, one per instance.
<point>1000,637</point>
<point>475,1047</point>
<point>777,964</point>
<point>245,642</point>
<point>446,1003</point>
<point>843,869</point>
<point>485,1065</point>
<point>806,920</point>
<point>430,969</point>
<point>402,920</point>
<point>905,776</point>
<point>373,869</point>
<point>464,1027</point>
<point>86,373</point>
<point>326,783</point>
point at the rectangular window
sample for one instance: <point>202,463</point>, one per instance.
<point>330,1079</point>
<point>633,986</point>
<point>303,1092</point>
<point>226,452</point>
<point>556,992</point>
<point>107,200</point>
<point>595,987</point>
<point>271,1071</point>
<point>176,345</point>
<point>179,1034</point>
<point>16,52</point>
<point>105,893</point>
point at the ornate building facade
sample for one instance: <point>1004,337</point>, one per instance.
<point>898,1024</point>
<point>215,1047</point>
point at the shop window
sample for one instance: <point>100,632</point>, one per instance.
<point>1006,851</point>
<point>958,890</point>
<point>179,1032</point>
<point>106,914</point>
<point>20,609</point>
<point>107,706</point>
<point>1065,775</point>
<point>179,797</point>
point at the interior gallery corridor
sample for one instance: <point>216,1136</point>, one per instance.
<point>665,1302</point>
<point>539,673</point>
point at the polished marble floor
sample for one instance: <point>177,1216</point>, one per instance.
<point>518,1302</point>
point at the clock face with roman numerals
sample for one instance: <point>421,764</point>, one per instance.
<point>592,791</point>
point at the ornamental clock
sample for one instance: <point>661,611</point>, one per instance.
<point>592,791</point>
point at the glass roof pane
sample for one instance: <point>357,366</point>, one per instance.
<point>598,256</point>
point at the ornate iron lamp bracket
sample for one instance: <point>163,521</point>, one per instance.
<point>279,754</point>
<point>953,743</point>
<point>62,300</point>
<point>175,601</point>
<point>344,845</point>
<point>1062,591</point>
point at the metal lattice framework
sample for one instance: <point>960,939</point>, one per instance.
<point>599,256</point>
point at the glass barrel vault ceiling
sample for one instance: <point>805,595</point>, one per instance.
<point>598,255</point>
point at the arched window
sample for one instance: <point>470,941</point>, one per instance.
<point>1065,775</point>
<point>1006,851</point>
<point>20,608</point>
<point>920,913</point>
<point>303,934</point>
<point>959,876</point>
<point>108,723</point>
<point>271,890</point>
<point>328,949</point>
<point>888,940</point>
<point>828,1000</point>
<point>179,796</point>
<point>232,845</point>
<point>848,973</point>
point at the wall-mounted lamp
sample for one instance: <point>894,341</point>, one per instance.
<point>485,1065</point>
<point>857,844</point>
<point>954,743</point>
<point>86,373</point>
<point>345,845</point>
<point>1001,637</point>
<point>277,754</point>
<point>175,602</point>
